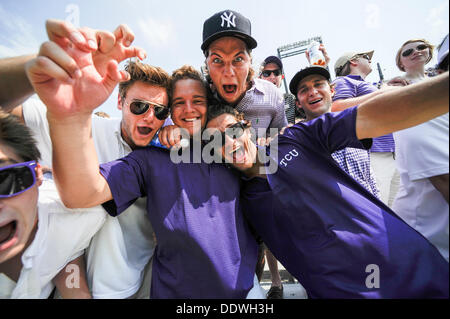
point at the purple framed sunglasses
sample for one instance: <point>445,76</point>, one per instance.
<point>17,178</point>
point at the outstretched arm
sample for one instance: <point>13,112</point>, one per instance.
<point>403,108</point>
<point>342,104</point>
<point>72,84</point>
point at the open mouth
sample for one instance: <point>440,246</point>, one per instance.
<point>238,154</point>
<point>315,101</point>
<point>144,130</point>
<point>230,89</point>
<point>7,232</point>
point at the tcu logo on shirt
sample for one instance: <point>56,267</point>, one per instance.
<point>289,157</point>
<point>229,18</point>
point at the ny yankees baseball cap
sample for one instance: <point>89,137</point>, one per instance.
<point>227,23</point>
<point>300,75</point>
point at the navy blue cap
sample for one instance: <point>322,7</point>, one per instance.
<point>273,59</point>
<point>227,23</point>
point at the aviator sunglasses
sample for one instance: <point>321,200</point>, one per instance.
<point>408,52</point>
<point>267,73</point>
<point>140,107</point>
<point>17,178</point>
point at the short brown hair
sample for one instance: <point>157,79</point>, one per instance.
<point>140,72</point>
<point>18,138</point>
<point>219,109</point>
<point>186,72</point>
<point>399,52</point>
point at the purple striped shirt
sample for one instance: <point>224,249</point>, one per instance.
<point>263,106</point>
<point>351,86</point>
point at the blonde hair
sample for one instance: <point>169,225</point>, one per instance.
<point>399,52</point>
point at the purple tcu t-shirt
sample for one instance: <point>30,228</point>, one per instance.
<point>351,86</point>
<point>205,249</point>
<point>328,231</point>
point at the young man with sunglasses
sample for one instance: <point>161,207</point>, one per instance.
<point>272,71</point>
<point>338,239</point>
<point>205,248</point>
<point>127,241</point>
<point>352,89</point>
<point>38,235</point>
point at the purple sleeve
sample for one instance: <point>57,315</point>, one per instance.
<point>344,89</point>
<point>365,88</point>
<point>331,132</point>
<point>125,178</point>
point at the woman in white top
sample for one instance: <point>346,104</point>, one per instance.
<point>422,156</point>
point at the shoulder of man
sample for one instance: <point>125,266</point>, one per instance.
<point>268,88</point>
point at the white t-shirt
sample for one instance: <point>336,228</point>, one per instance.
<point>62,235</point>
<point>422,152</point>
<point>124,245</point>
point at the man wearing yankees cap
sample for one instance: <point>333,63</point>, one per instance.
<point>227,46</point>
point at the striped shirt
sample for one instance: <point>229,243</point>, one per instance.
<point>356,163</point>
<point>263,106</point>
<point>351,86</point>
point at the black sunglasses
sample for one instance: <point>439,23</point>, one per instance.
<point>234,131</point>
<point>17,178</point>
<point>408,52</point>
<point>267,73</point>
<point>365,56</point>
<point>140,107</point>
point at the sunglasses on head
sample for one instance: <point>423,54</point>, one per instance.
<point>267,73</point>
<point>17,178</point>
<point>408,52</point>
<point>141,107</point>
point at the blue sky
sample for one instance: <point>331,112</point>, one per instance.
<point>171,30</point>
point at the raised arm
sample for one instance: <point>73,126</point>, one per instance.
<point>402,108</point>
<point>72,85</point>
<point>14,85</point>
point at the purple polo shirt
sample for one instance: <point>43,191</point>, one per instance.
<point>351,86</point>
<point>338,239</point>
<point>204,249</point>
